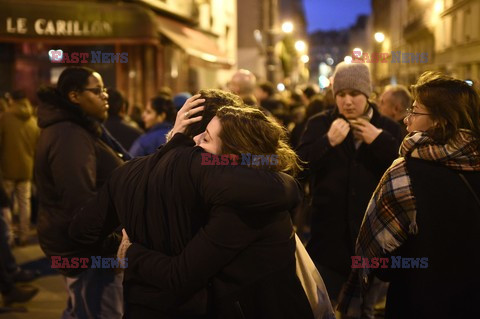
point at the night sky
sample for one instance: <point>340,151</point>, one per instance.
<point>333,14</point>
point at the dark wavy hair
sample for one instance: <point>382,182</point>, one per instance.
<point>71,79</point>
<point>164,104</point>
<point>452,103</point>
<point>214,99</point>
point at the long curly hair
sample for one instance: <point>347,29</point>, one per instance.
<point>248,130</point>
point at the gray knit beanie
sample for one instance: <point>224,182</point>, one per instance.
<point>353,76</point>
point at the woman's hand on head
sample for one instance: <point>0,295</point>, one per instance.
<point>184,116</point>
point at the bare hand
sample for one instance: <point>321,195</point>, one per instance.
<point>124,245</point>
<point>338,131</point>
<point>365,131</point>
<point>184,115</point>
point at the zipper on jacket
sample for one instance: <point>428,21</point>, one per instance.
<point>239,309</point>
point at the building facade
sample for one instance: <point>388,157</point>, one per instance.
<point>185,45</point>
<point>443,34</point>
<point>263,47</point>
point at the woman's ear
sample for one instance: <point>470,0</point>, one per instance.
<point>73,96</point>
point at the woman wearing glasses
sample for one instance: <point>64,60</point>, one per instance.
<point>74,157</point>
<point>425,214</point>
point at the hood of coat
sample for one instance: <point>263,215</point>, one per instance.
<point>54,109</point>
<point>22,109</point>
<point>462,155</point>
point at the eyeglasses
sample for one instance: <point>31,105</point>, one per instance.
<point>410,112</point>
<point>97,91</point>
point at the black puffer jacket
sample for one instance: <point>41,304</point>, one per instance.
<point>71,164</point>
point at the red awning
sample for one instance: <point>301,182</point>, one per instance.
<point>194,42</point>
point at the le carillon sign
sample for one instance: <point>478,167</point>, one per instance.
<point>32,19</point>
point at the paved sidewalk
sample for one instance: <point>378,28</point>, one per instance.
<point>51,298</point>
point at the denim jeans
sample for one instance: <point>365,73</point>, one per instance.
<point>7,261</point>
<point>95,293</point>
<point>6,256</point>
<point>21,190</point>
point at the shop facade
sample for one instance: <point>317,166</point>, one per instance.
<point>144,50</point>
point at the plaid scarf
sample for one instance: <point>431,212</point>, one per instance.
<point>391,213</point>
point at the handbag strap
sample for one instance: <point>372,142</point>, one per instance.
<point>465,181</point>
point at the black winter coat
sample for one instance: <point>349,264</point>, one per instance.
<point>342,181</point>
<point>71,164</point>
<point>448,220</point>
<point>162,200</point>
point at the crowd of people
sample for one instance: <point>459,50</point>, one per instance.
<point>356,175</point>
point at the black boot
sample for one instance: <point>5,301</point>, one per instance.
<point>19,294</point>
<point>24,275</point>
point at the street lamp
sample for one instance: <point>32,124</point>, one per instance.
<point>287,27</point>
<point>300,46</point>
<point>304,58</point>
<point>379,37</point>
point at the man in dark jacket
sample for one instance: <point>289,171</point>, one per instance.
<point>347,150</point>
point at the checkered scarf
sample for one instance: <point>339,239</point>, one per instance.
<point>391,214</point>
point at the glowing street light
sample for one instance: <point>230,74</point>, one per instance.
<point>379,37</point>
<point>287,27</point>
<point>300,46</point>
<point>348,59</point>
<point>304,58</point>
<point>323,81</point>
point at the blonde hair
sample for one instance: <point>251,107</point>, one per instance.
<point>248,130</point>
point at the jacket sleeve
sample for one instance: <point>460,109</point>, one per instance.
<point>98,217</point>
<point>214,246</point>
<point>314,143</point>
<point>244,187</point>
<point>95,220</point>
